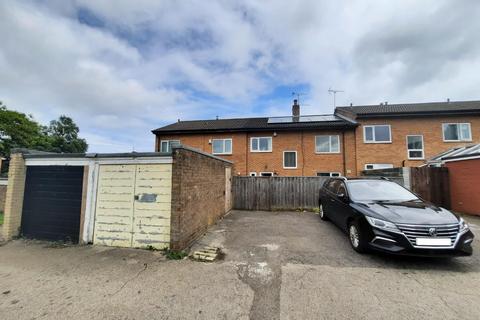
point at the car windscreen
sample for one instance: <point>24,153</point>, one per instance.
<point>378,190</point>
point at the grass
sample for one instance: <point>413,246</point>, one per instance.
<point>1,217</point>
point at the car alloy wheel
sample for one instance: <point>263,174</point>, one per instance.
<point>354,236</point>
<point>322,214</point>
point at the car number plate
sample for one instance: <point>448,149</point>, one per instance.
<point>434,242</point>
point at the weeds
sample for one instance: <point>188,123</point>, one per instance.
<point>173,254</point>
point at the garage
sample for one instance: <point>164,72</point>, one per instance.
<point>52,203</point>
<point>138,200</point>
<point>133,205</point>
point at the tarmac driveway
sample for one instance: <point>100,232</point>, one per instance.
<point>277,265</point>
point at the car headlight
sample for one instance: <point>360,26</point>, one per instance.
<point>382,224</point>
<point>463,225</point>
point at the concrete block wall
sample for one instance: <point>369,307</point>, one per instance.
<point>198,195</point>
<point>14,197</point>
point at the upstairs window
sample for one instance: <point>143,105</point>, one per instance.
<point>327,144</point>
<point>290,159</point>
<point>457,132</point>
<point>415,147</point>
<point>166,145</point>
<point>222,146</point>
<point>377,134</point>
<point>261,144</point>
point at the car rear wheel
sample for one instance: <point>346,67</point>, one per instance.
<point>322,213</point>
<point>357,237</point>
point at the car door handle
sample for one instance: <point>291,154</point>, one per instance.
<point>332,200</point>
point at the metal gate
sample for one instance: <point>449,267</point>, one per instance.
<point>133,205</point>
<point>52,203</point>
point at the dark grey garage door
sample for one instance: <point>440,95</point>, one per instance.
<point>52,203</point>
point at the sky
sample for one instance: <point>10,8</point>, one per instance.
<point>122,68</point>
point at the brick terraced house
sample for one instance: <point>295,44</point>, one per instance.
<point>353,139</point>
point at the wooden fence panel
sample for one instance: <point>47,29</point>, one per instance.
<point>432,184</point>
<point>276,193</point>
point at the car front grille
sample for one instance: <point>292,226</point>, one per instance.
<point>412,231</point>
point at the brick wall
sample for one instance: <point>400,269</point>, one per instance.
<point>396,152</point>
<point>14,197</point>
<point>198,195</point>
<point>303,142</point>
<point>464,179</point>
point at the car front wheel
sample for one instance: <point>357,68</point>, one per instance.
<point>357,237</point>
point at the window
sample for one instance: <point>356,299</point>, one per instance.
<point>166,145</point>
<point>415,147</point>
<point>261,144</point>
<point>328,174</point>
<point>457,132</point>
<point>253,174</point>
<point>222,146</point>
<point>372,166</point>
<point>289,159</point>
<point>327,144</point>
<point>266,174</point>
<point>377,134</point>
<point>333,185</point>
<point>378,190</point>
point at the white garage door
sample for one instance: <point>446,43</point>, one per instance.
<point>133,205</point>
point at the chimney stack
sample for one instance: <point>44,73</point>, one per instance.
<point>295,110</point>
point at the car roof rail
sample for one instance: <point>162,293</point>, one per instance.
<point>384,178</point>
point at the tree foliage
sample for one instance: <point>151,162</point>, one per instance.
<point>18,130</point>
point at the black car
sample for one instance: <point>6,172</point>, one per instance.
<point>381,215</point>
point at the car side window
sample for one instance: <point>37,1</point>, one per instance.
<point>341,189</point>
<point>332,186</point>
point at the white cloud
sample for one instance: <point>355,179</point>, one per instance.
<point>150,62</point>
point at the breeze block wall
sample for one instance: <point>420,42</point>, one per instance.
<point>198,195</point>
<point>14,197</point>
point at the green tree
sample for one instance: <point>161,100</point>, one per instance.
<point>63,136</point>
<point>18,130</point>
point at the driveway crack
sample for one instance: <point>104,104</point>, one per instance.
<point>145,266</point>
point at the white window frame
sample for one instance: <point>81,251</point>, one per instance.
<point>385,166</point>
<point>422,150</point>
<point>252,174</point>
<point>223,140</point>
<point>258,144</point>
<point>330,174</point>
<point>169,146</point>
<point>296,159</point>
<point>329,145</point>
<point>268,172</point>
<point>444,125</point>
<point>373,132</point>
